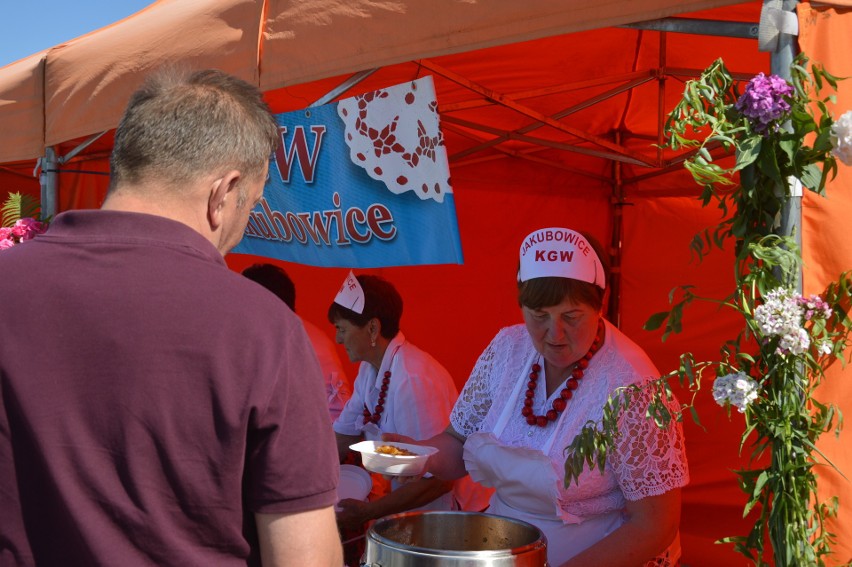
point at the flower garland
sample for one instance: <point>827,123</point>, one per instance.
<point>23,230</point>
<point>18,224</point>
<point>770,371</point>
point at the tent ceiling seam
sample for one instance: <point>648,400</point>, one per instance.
<point>561,114</point>
<point>500,99</point>
<point>556,89</point>
<point>521,154</point>
<point>540,141</point>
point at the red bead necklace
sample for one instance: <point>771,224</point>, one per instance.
<point>380,407</point>
<point>560,403</point>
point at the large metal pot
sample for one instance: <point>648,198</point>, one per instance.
<point>453,539</point>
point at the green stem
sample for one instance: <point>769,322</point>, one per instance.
<point>792,483</point>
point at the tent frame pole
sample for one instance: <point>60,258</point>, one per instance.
<point>696,26</point>
<point>780,59</point>
<point>48,181</point>
<point>343,87</point>
<point>49,177</point>
<point>616,248</point>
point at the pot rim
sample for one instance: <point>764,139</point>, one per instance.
<point>540,543</point>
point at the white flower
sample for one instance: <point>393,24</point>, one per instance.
<point>824,347</point>
<point>780,314</point>
<point>796,341</point>
<point>841,138</point>
<point>735,389</point>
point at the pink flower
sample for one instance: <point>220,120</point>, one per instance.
<point>5,232</point>
<point>6,243</point>
<point>27,228</point>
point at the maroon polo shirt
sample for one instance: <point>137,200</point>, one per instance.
<point>150,400</point>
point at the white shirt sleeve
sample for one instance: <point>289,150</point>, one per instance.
<point>351,418</point>
<point>422,394</point>
<point>488,380</point>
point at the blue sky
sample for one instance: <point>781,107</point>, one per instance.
<point>32,25</point>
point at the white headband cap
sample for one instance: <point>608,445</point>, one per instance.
<point>351,294</point>
<point>561,253</point>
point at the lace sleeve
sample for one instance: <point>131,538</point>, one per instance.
<point>648,460</point>
<point>475,400</point>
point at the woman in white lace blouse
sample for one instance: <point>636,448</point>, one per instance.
<point>530,393</point>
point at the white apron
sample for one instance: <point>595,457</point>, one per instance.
<point>527,485</point>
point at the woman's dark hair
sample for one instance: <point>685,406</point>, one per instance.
<point>545,292</point>
<point>274,279</point>
<point>381,300</point>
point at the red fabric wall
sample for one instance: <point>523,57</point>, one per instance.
<point>18,178</point>
<point>827,252</point>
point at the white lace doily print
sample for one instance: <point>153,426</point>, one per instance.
<point>394,135</point>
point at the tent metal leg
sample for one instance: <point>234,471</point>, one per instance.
<point>779,60</point>
<point>47,180</point>
<point>615,249</point>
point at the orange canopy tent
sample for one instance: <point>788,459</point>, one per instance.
<point>551,111</point>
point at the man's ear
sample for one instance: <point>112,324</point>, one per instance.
<point>221,190</point>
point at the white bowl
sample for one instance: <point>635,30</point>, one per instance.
<point>355,483</point>
<point>393,465</point>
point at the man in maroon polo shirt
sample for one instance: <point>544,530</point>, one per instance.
<point>155,407</point>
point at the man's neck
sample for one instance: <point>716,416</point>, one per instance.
<point>137,201</point>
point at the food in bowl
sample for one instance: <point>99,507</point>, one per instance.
<point>396,451</point>
<point>410,464</point>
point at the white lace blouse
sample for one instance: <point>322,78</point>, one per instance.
<point>647,460</point>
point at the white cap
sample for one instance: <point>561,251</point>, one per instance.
<point>351,295</point>
<point>561,253</point>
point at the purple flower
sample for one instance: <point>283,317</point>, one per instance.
<point>765,101</point>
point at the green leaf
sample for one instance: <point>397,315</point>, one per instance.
<point>789,146</point>
<point>18,206</point>
<point>811,177</point>
<point>759,484</point>
<point>654,321</point>
<point>747,152</point>
<point>768,164</point>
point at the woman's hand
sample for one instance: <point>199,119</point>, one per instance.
<point>448,462</point>
<point>352,514</point>
<point>396,437</point>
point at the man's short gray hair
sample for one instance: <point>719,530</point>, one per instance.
<point>178,127</point>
